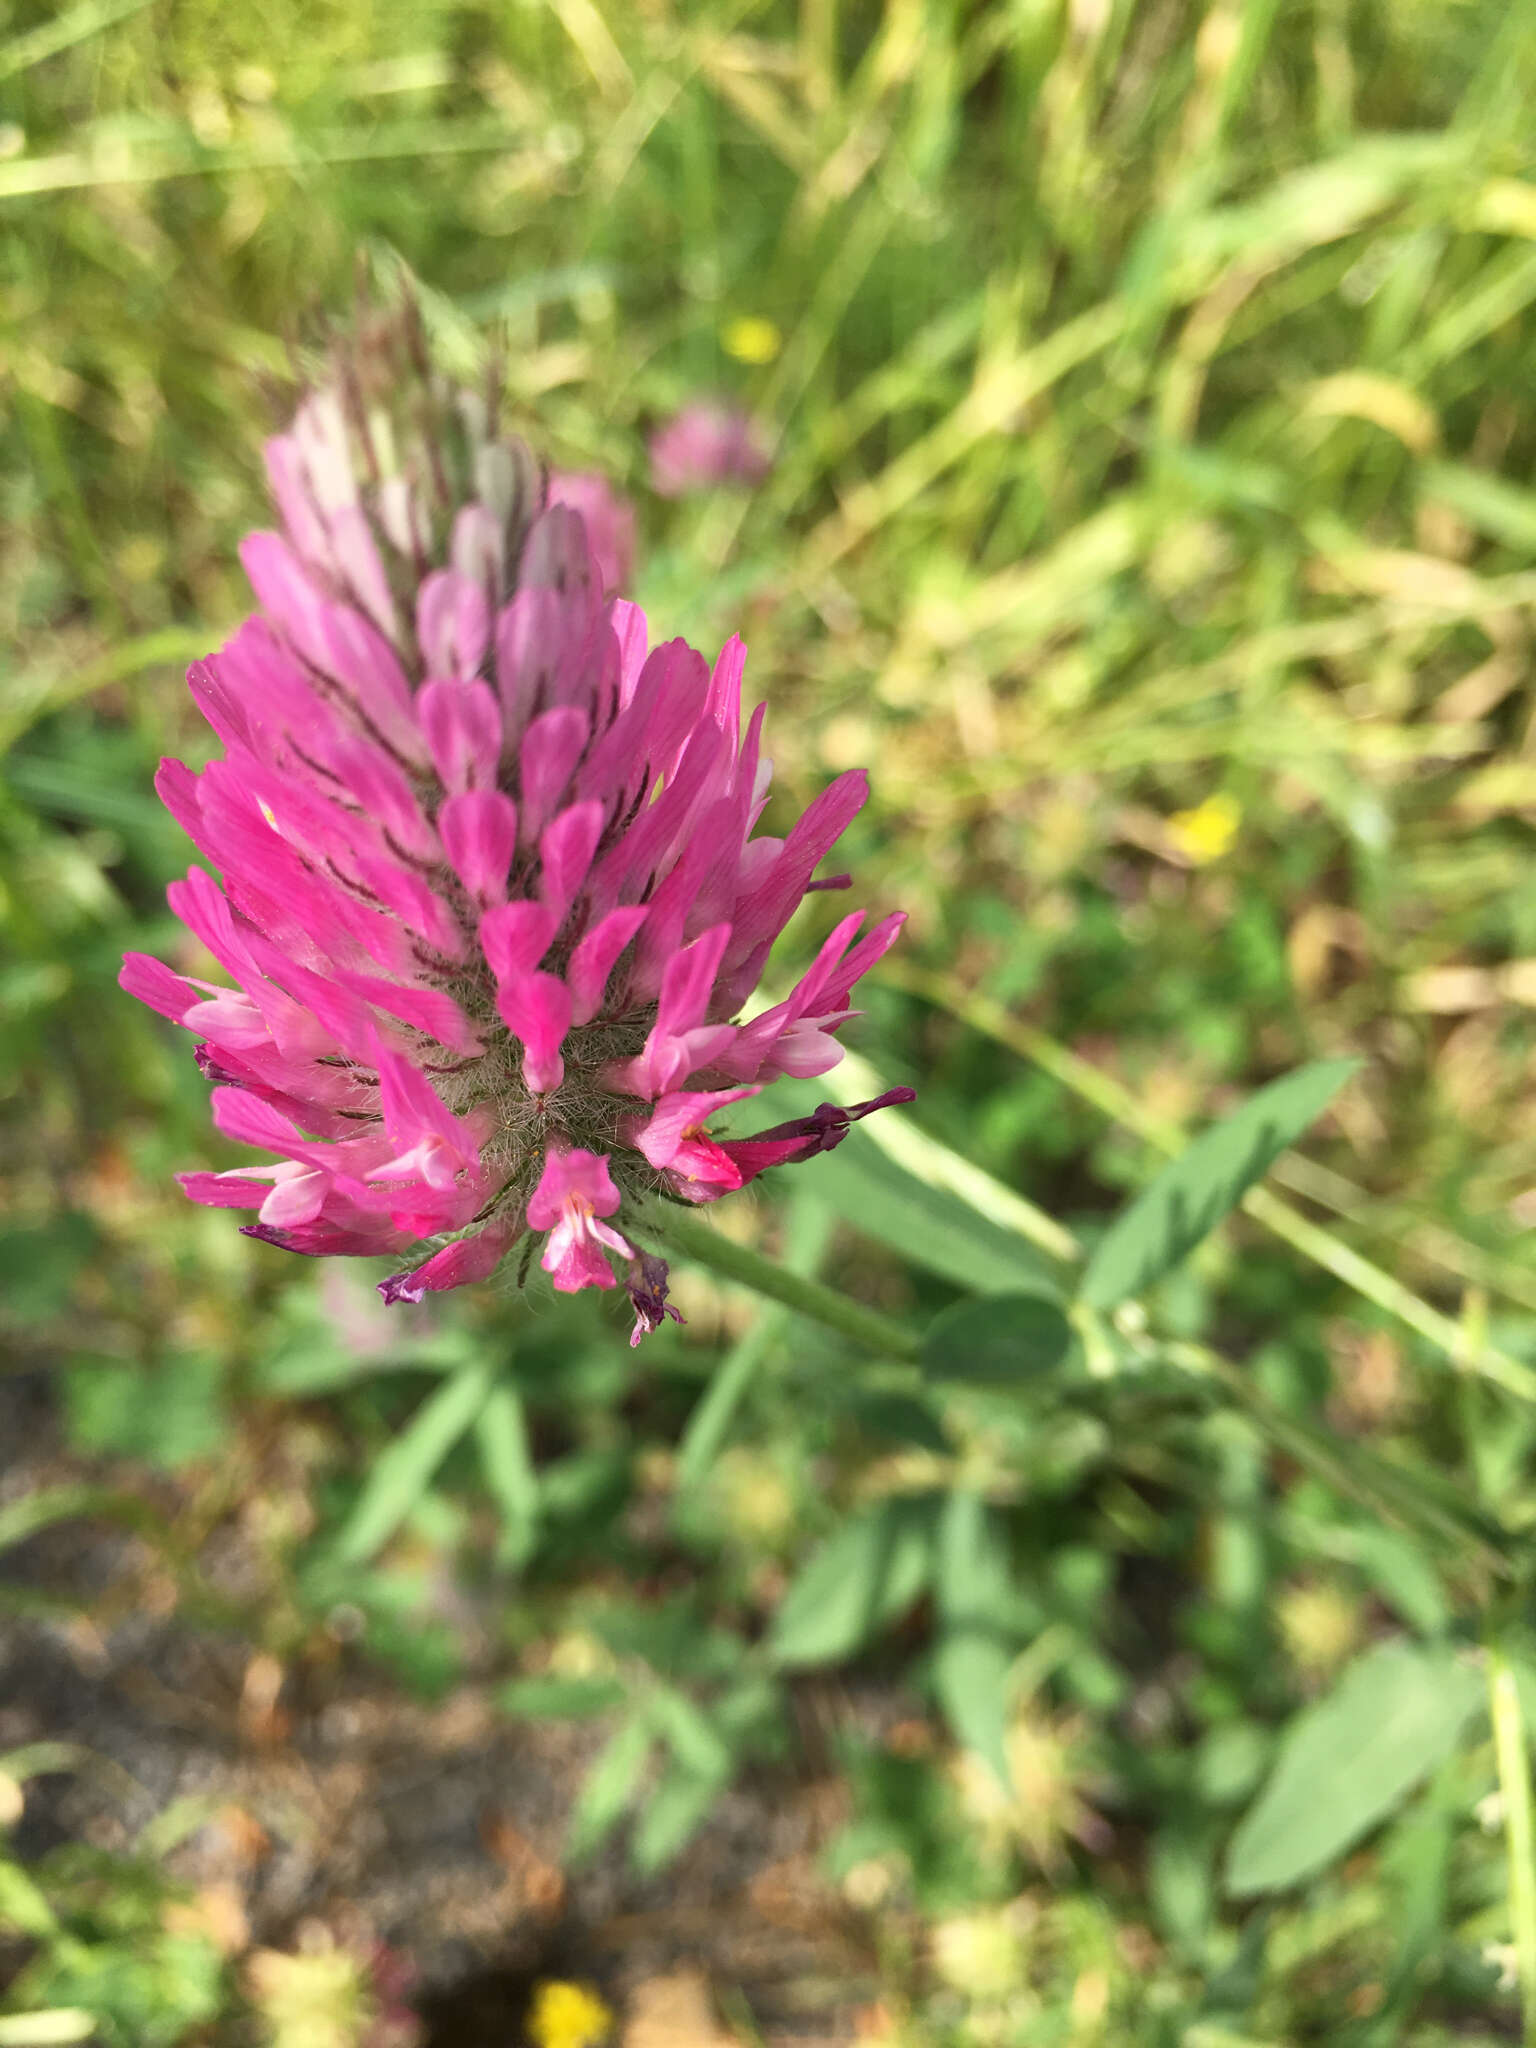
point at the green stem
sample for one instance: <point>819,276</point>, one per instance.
<point>685,1232</point>
<point>808,1228</point>
<point>1509,1746</point>
<point>1408,1499</point>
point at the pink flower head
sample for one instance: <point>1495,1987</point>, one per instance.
<point>493,891</point>
<point>704,445</point>
<point>608,518</point>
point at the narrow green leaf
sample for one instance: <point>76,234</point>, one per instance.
<point>1208,1180</point>
<point>58,2024</point>
<point>561,1699</point>
<point>22,1518</point>
<point>22,1905</point>
<point>35,1759</point>
<point>676,1810</point>
<point>1348,1760</point>
<point>970,1676</point>
<point>973,1589</point>
<point>609,1786</point>
<point>688,1733</point>
<point>501,1433</point>
<point>917,1202</point>
<point>999,1340</point>
<point>861,1578</point>
<point>972,1574</point>
<point>405,1470</point>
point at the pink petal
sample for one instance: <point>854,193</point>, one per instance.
<point>154,983</point>
<point>240,1116</point>
<point>556,557</point>
<point>609,521</point>
<point>515,937</point>
<point>689,980</point>
<point>296,1197</point>
<point>478,829</point>
<point>476,548</point>
<point>574,1261</point>
<point>594,958</point>
<point>453,624</point>
<point>462,726</point>
<point>357,558</point>
<point>571,1175</point>
<point>552,746</point>
<point>536,1009</point>
<point>676,1115</point>
<point>532,636</point>
<point>566,847</point>
<point>224,1190</point>
<point>415,902</point>
<point>723,704</point>
<point>632,631</point>
<point>457,1265</point>
<point>428,1010</point>
<point>288,474</point>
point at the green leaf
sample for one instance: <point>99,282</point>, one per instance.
<point>688,1733</point>
<point>970,1677</point>
<point>861,1578</point>
<point>60,2023</point>
<point>915,1205</point>
<point>1206,1182</point>
<point>972,1575</point>
<point>999,1340</point>
<point>501,1433</point>
<point>22,1518</point>
<point>405,1470</point>
<point>38,1267</point>
<point>22,1905</point>
<point>168,1415</point>
<point>316,1362</point>
<point>676,1810</point>
<point>973,1589</point>
<point>561,1699</point>
<point>889,1418</point>
<point>1348,1761</point>
<point>1181,1881</point>
<point>609,1786</point>
<point>1403,1576</point>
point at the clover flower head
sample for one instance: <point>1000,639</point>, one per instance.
<point>493,894</point>
<point>706,444</point>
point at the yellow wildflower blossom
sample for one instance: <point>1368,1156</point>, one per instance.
<point>1207,832</point>
<point>751,339</point>
<point>568,2016</point>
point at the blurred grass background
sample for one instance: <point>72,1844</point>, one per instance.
<point>1152,512</point>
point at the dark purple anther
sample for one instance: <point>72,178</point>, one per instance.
<point>647,1285</point>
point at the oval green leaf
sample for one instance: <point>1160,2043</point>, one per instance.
<point>860,1579</point>
<point>1348,1761</point>
<point>998,1340</point>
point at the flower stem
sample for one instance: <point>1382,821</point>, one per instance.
<point>1411,1500</point>
<point>1514,1769</point>
<point>807,1232</point>
<point>685,1232</point>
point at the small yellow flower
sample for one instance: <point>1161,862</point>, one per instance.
<point>568,2016</point>
<point>751,339</point>
<point>1207,832</point>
